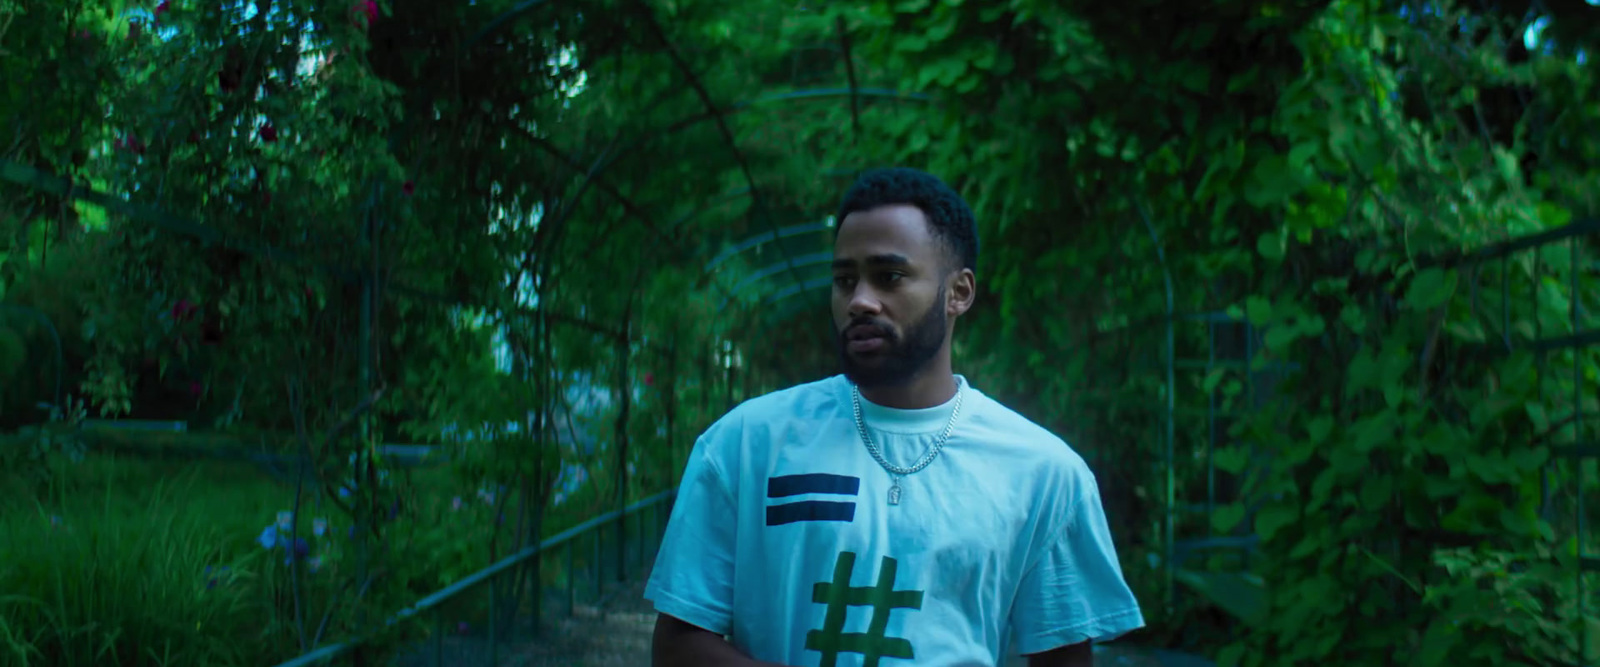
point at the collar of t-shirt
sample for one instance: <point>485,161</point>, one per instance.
<point>909,422</point>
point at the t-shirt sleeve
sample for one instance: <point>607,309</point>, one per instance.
<point>693,575</point>
<point>1074,592</point>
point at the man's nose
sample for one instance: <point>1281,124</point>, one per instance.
<point>864,302</point>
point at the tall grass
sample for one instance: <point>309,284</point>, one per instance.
<point>127,562</point>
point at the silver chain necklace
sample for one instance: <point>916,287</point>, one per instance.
<point>877,454</point>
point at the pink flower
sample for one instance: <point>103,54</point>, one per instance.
<point>367,8</point>
<point>130,143</point>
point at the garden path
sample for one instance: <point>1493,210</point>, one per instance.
<point>616,633</point>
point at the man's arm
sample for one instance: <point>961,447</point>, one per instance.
<point>692,581</point>
<point>1074,592</point>
<point>1071,655</point>
<point>679,644</point>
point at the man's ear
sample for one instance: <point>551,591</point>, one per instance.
<point>962,293</point>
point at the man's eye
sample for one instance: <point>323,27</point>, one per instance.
<point>843,281</point>
<point>892,278</point>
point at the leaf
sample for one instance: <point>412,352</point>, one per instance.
<point>1242,595</point>
<point>1231,654</point>
<point>1353,318</point>
<point>1227,517</point>
<point>1312,326</point>
<point>1271,183</point>
<point>1231,459</point>
<point>1470,331</point>
<point>1538,415</point>
<point>1308,545</point>
<point>1529,458</point>
<point>1319,428</point>
<point>1517,523</point>
<point>1440,639</point>
<point>1272,518</point>
<point>1279,338</point>
<point>1331,285</point>
<point>1271,245</point>
<point>1244,79</point>
<point>1258,310</point>
<point>1440,487</point>
<point>1430,288</point>
<point>1376,491</point>
<point>1321,489</point>
<point>1374,431</point>
<point>1301,153</point>
<point>1553,215</point>
<point>1507,162</point>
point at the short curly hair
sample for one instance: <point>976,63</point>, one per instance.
<point>949,218</point>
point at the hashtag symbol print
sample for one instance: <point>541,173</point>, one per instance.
<point>839,597</point>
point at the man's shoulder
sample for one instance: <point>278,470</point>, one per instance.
<point>799,402</point>
<point>737,439</point>
<point>790,402</point>
<point>1046,449</point>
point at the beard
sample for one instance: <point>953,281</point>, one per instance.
<point>901,357</point>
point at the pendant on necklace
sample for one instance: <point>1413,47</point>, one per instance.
<point>894,494</point>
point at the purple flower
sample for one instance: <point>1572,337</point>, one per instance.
<point>274,537</point>
<point>214,576</point>
<point>269,537</point>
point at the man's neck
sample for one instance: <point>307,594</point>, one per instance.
<point>927,389</point>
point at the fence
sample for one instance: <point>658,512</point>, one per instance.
<point>525,563</point>
<point>1571,278</point>
<point>503,580</point>
<point>1569,459</point>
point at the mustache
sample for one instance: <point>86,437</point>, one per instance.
<point>866,329</point>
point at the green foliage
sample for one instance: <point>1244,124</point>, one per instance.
<point>115,566</point>
<point>1297,167</point>
<point>532,194</point>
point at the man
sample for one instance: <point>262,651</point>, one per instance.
<point>893,515</point>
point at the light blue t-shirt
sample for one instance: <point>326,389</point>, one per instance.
<point>783,539</point>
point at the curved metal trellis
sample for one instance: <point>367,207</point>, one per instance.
<point>1169,434</point>
<point>55,337</point>
<point>592,174</point>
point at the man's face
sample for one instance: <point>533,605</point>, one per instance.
<point>889,295</point>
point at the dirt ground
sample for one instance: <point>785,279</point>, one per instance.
<point>617,634</point>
